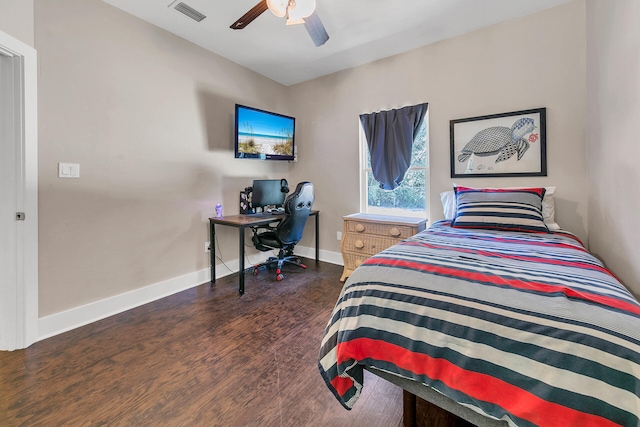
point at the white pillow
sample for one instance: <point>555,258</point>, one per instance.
<point>448,199</point>
<point>549,209</point>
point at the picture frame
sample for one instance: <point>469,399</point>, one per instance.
<point>499,145</point>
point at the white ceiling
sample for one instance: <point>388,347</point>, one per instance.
<point>360,31</point>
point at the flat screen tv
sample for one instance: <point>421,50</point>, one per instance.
<point>263,135</point>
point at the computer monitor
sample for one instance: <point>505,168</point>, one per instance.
<point>268,192</point>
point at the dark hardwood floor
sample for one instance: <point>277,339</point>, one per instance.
<point>202,357</point>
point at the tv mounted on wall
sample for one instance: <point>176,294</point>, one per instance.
<point>263,135</point>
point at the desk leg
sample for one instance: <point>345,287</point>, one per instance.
<point>317,237</point>
<point>212,252</point>
<point>241,261</point>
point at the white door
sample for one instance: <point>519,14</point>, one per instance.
<point>8,205</point>
<point>18,194</point>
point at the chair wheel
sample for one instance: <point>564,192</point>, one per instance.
<point>279,277</point>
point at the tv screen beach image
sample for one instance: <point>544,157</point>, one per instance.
<point>263,133</point>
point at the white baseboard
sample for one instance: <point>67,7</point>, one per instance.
<point>325,256</point>
<point>64,321</point>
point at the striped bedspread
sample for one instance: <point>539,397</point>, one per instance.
<point>529,328</point>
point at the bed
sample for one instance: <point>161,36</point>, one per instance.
<point>514,324</point>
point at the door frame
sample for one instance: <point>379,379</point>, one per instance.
<point>19,323</point>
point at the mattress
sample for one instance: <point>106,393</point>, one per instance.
<point>524,327</point>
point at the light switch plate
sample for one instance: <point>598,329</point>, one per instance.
<point>68,170</point>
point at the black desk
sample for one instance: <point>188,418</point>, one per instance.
<point>241,222</point>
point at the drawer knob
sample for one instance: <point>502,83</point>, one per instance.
<point>394,232</point>
<point>359,244</point>
<point>359,227</point>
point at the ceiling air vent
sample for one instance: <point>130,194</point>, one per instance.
<point>190,12</point>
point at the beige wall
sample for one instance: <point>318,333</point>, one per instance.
<point>149,118</point>
<point>535,61</point>
<point>613,115</point>
<point>16,19</point>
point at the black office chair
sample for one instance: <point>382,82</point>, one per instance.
<point>288,232</point>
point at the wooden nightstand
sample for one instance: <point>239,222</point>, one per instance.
<point>367,234</point>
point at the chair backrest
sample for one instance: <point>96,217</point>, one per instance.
<point>296,211</point>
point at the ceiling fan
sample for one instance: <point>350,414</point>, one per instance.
<point>296,11</point>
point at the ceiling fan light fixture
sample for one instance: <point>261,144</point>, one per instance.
<point>278,7</point>
<point>294,21</point>
<point>299,9</point>
<point>296,12</point>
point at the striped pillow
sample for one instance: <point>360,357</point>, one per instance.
<point>500,209</point>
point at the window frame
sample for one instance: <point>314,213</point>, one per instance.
<point>363,170</point>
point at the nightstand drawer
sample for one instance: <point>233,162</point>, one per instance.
<point>353,260</point>
<point>367,244</point>
<point>391,230</point>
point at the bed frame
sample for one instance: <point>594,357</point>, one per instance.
<point>441,407</point>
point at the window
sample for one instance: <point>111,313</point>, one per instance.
<point>411,197</point>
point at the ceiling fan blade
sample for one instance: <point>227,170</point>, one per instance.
<point>248,17</point>
<point>316,30</point>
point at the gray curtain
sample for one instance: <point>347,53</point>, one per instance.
<point>390,136</point>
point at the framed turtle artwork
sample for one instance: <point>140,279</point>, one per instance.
<point>507,144</point>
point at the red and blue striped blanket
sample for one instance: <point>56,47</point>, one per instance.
<point>525,327</point>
